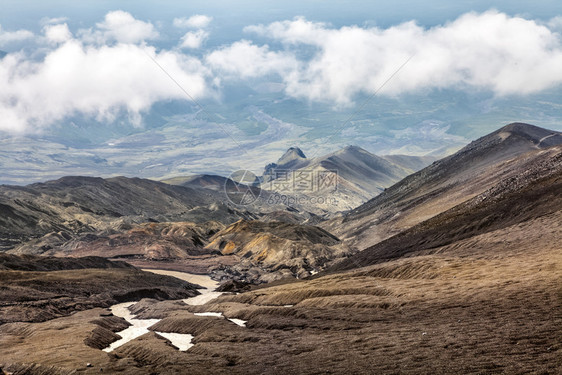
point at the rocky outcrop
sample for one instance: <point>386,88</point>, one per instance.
<point>104,334</point>
<point>277,247</point>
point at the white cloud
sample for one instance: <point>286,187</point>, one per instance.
<point>193,39</point>
<point>243,59</point>
<point>508,55</point>
<point>198,21</point>
<point>555,23</point>
<point>53,21</point>
<point>100,81</point>
<point>57,33</point>
<point>88,73</point>
<point>119,26</point>
<point>14,36</point>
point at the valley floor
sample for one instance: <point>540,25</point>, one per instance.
<point>494,309</point>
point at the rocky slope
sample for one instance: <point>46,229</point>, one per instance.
<point>274,250</point>
<point>84,204</point>
<point>148,240</point>
<point>531,193</point>
<point>444,184</point>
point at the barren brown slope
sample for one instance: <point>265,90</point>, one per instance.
<point>488,302</point>
<point>535,191</point>
<point>34,289</point>
<point>443,185</point>
<point>490,306</point>
<point>81,204</point>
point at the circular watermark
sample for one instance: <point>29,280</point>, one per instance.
<point>242,187</point>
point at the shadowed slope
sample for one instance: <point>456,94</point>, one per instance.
<point>78,204</point>
<point>533,192</point>
<point>443,185</point>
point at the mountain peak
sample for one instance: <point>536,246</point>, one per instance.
<point>531,132</point>
<point>352,148</point>
<point>292,154</point>
<point>519,127</point>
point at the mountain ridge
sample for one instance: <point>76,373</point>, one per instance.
<point>440,186</point>
<point>530,194</point>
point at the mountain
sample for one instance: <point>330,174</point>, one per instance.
<point>207,181</point>
<point>357,175</point>
<point>443,185</point>
<point>281,249</point>
<point>520,211</point>
<point>86,204</point>
<point>293,158</point>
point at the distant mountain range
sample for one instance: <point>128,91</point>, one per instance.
<point>358,176</point>
<point>360,173</point>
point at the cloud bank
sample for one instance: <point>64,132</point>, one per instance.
<point>246,60</point>
<point>491,51</point>
<point>104,71</point>
<point>122,27</point>
<point>79,76</point>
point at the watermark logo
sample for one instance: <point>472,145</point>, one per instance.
<point>283,187</point>
<point>303,181</point>
<point>242,187</point>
